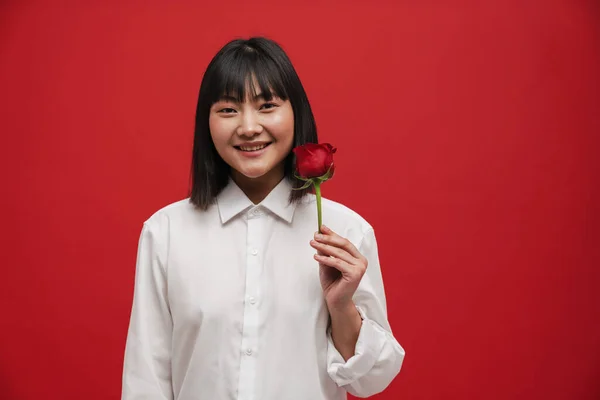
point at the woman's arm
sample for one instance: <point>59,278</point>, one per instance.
<point>345,329</point>
<point>147,364</point>
<point>363,355</point>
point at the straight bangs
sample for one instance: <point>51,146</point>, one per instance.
<point>247,73</point>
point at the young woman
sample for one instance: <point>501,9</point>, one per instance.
<point>236,296</point>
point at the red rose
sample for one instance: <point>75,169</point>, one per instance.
<point>314,160</point>
<point>314,165</point>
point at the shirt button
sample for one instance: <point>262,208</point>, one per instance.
<point>252,300</point>
<point>254,252</point>
<point>249,352</point>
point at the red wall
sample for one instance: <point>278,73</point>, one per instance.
<point>468,135</point>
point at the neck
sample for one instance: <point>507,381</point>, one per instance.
<point>256,189</point>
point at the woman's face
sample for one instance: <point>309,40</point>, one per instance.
<point>253,137</point>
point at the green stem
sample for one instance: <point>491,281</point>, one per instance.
<point>318,193</point>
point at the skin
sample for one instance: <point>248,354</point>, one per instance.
<point>341,265</point>
<point>253,121</point>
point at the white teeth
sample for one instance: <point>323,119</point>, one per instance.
<point>253,148</point>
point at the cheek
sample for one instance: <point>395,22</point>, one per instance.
<point>218,131</point>
<point>283,126</point>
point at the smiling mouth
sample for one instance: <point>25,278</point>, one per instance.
<point>252,148</point>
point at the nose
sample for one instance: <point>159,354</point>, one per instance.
<point>249,125</point>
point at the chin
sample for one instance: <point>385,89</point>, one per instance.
<point>253,173</point>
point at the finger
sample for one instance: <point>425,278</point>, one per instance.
<point>333,262</point>
<point>329,250</point>
<point>331,238</point>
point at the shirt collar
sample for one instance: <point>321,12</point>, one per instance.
<point>232,201</point>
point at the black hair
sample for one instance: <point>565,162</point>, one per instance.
<point>231,73</point>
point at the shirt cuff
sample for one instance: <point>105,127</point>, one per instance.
<point>371,339</point>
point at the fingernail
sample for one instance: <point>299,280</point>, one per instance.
<point>318,236</point>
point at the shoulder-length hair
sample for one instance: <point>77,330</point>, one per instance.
<point>231,73</point>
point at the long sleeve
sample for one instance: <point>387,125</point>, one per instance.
<point>147,361</point>
<point>378,355</point>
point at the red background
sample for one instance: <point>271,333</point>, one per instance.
<point>468,135</point>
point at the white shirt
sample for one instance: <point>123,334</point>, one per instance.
<point>228,305</point>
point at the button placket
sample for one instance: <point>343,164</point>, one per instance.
<point>249,344</point>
